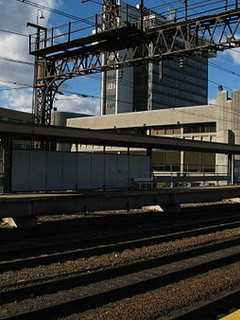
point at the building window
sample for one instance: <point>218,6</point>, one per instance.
<point>200,128</point>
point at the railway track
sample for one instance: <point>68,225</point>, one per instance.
<point>221,306</point>
<point>63,295</point>
<point>62,256</point>
<point>45,244</point>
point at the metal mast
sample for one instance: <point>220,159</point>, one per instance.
<point>45,83</point>
<point>44,88</point>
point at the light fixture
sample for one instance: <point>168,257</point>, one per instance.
<point>41,15</point>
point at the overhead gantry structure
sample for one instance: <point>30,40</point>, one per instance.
<point>119,40</point>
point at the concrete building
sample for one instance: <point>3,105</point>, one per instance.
<point>174,82</point>
<point>218,122</point>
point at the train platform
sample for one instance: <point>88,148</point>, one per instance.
<point>47,203</point>
<point>232,316</point>
<point>70,193</point>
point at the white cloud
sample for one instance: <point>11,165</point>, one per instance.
<point>74,103</point>
<point>235,54</point>
<point>13,17</point>
<point>212,101</point>
<point>20,100</point>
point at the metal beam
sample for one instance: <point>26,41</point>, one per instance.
<point>21,131</point>
<point>6,149</point>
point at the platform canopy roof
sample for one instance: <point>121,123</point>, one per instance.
<point>20,131</point>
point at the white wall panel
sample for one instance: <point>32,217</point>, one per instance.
<point>39,171</point>
<point>111,171</point>
<point>69,171</point>
<point>139,167</point>
<point>122,171</point>
<point>54,174</point>
<point>98,171</point>
<point>84,170</point>
<point>20,170</point>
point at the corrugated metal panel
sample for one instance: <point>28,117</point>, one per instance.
<point>111,171</point>
<point>84,170</point>
<point>37,172</point>
<point>53,171</point>
<point>20,170</point>
<point>69,171</point>
<point>40,171</point>
<point>123,170</point>
<point>97,170</point>
<point>139,167</point>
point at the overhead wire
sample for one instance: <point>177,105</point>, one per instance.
<point>192,6</point>
<point>89,20</point>
<point>173,108</point>
<point>14,32</point>
<point>15,88</point>
<point>15,83</point>
<point>189,111</point>
<point>16,61</point>
<point>94,1</point>
<point>129,82</point>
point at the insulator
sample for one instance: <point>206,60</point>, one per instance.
<point>180,62</point>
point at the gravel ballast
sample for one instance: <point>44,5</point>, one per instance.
<point>142,277</point>
<point>167,302</point>
<point>18,278</point>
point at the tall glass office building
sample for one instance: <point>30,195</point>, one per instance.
<point>173,82</point>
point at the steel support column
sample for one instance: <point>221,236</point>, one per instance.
<point>7,148</point>
<point>149,154</point>
<point>230,169</point>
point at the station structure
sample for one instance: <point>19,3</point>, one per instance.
<point>216,122</point>
<point>30,159</point>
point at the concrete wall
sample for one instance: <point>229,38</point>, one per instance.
<point>228,125</point>
<point>196,114</point>
<point>37,170</point>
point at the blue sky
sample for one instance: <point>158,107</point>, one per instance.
<point>14,16</point>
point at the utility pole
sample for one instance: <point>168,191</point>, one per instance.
<point>186,9</point>
<point>38,108</point>
<point>226,4</point>
<point>142,13</point>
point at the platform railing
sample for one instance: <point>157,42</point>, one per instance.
<point>190,168</point>
<point>171,176</point>
<point>130,16</point>
<point>78,29</point>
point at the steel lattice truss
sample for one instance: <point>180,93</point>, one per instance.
<point>200,36</point>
